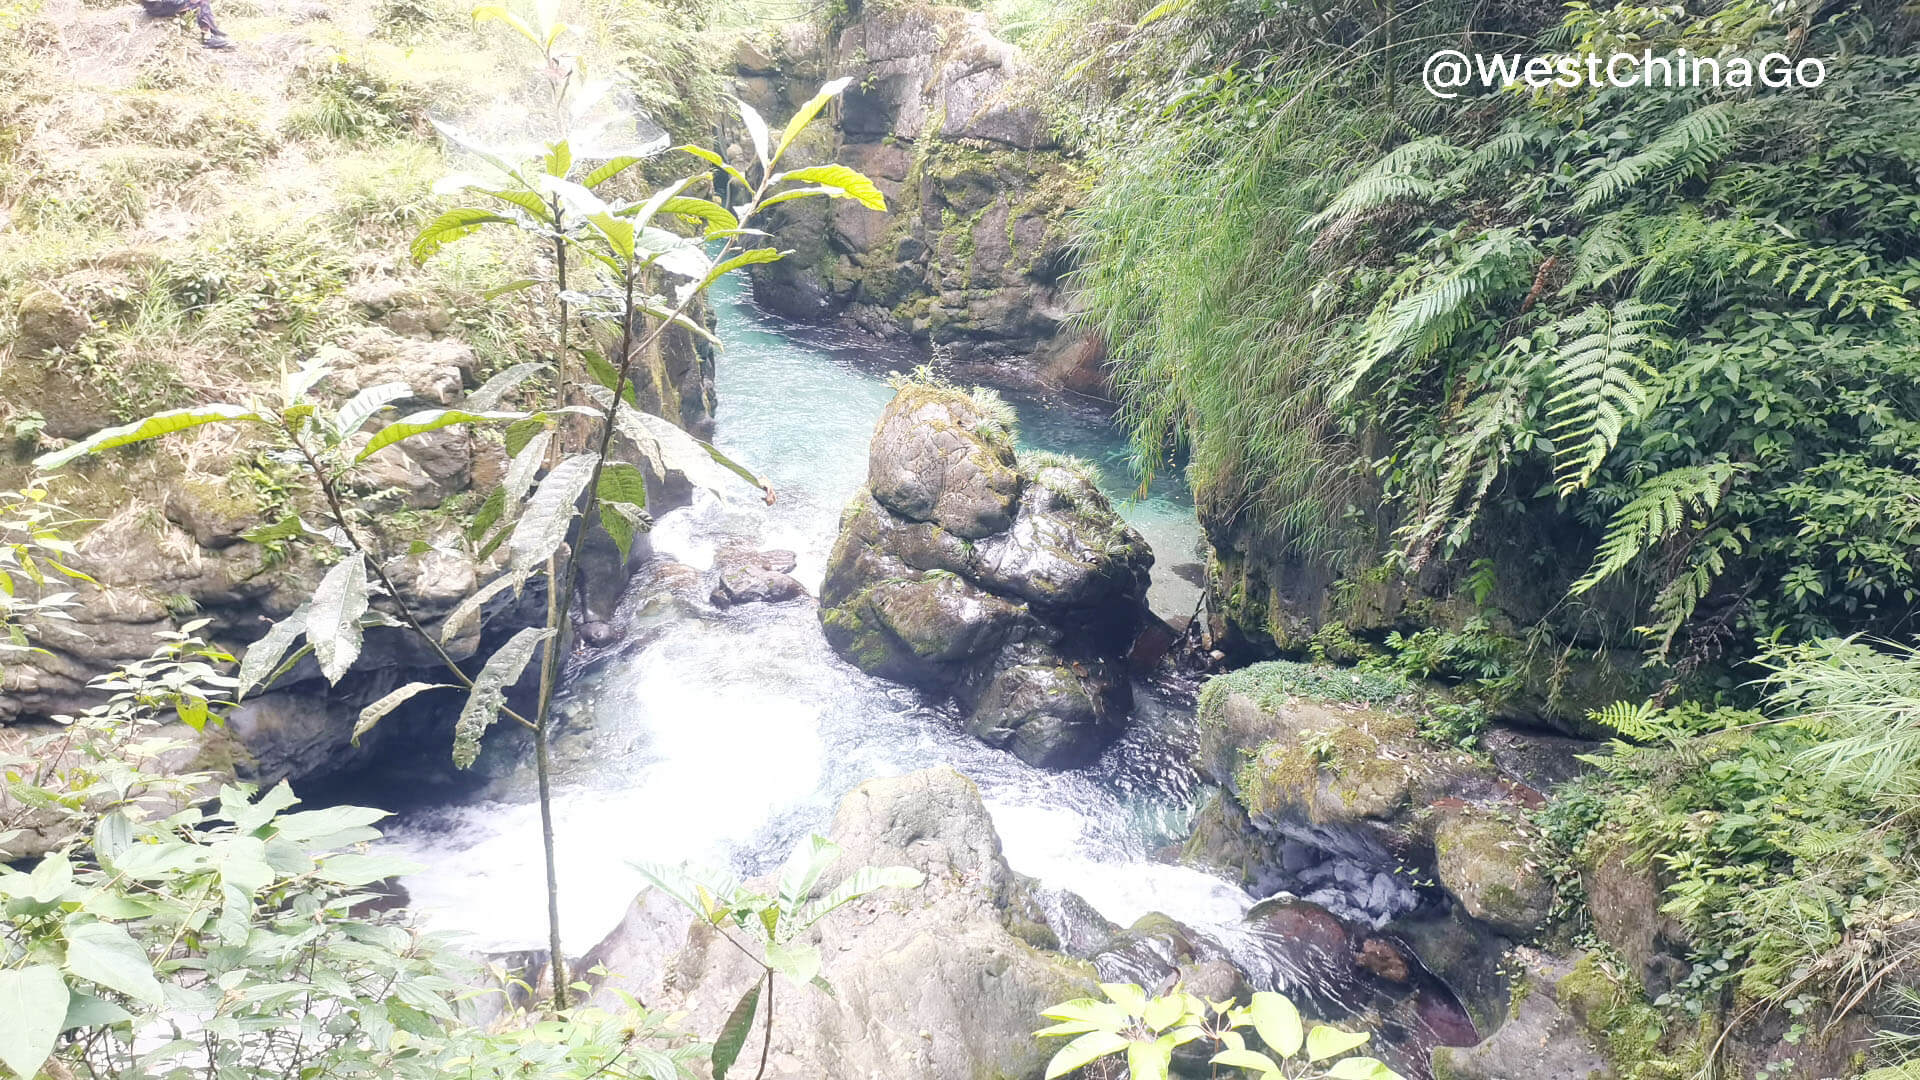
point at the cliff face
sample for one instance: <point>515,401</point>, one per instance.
<point>182,227</point>
<point>973,251</point>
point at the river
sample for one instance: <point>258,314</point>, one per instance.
<point>720,736</point>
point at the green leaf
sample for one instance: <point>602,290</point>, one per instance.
<point>804,116</point>
<point>618,234</point>
<point>491,391</point>
<point>364,405</point>
<point>865,880</point>
<point>1361,1068</point>
<point>801,872</point>
<point>87,1011</point>
<point>718,162</point>
<point>756,130</point>
<point>451,226</point>
<point>34,1001</point>
<point>1089,1047</point>
<point>559,158</point>
<point>542,528</point>
<point>622,523</point>
<point>106,954</point>
<point>489,692</point>
<point>1277,1022</point>
<point>1324,1042</point>
<point>161,423</point>
<point>353,869</point>
<point>1148,1060</point>
<point>333,616</point>
<point>611,168</point>
<point>841,182</point>
<point>429,420</point>
<point>264,655</point>
<point>745,258</point>
<point>467,612</point>
<point>733,1034</point>
<point>511,287</point>
<point>1245,1059</point>
<point>622,482</point>
<point>603,372</point>
<point>373,713</point>
<point>716,217</point>
<point>798,961</point>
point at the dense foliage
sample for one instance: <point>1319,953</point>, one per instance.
<point>1676,321</point>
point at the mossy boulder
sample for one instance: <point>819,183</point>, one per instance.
<point>1485,859</point>
<point>1008,584</point>
<point>1541,1040</point>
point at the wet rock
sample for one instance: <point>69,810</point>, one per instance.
<point>929,983</point>
<point>1463,953</point>
<point>1009,584</point>
<point>752,577</point>
<point>1540,1041</point>
<point>1540,760</point>
<point>1485,859</point>
<point>598,634</point>
<point>1312,927</point>
<point>1383,958</point>
<point>1624,896</point>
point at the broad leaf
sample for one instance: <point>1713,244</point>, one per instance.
<point>1324,1042</point>
<point>161,423</point>
<point>1242,1058</point>
<point>622,523</point>
<point>491,391</point>
<point>1277,1022</point>
<point>373,713</point>
<point>87,1011</point>
<point>333,616</point>
<point>757,131</point>
<point>542,528</point>
<point>745,258</point>
<point>1148,1060</point>
<point>514,286</point>
<point>612,168</point>
<point>717,162</point>
<point>798,961</point>
<point>263,656</point>
<point>840,183</point>
<point>717,218</point>
<point>804,116</point>
<point>733,1034</point>
<point>802,870</point>
<point>865,880</point>
<point>467,613</point>
<point>451,226</point>
<point>429,420</point>
<point>105,954</point>
<point>1361,1068</point>
<point>1089,1047</point>
<point>489,692</point>
<point>363,405</point>
<point>34,1002</point>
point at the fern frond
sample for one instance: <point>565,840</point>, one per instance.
<point>1689,144</point>
<point>1391,179</point>
<point>1659,509</point>
<point>1425,321</point>
<point>1640,721</point>
<point>1601,383</point>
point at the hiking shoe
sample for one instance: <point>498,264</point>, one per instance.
<point>218,41</point>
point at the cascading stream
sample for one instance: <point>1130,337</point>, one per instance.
<point>721,735</point>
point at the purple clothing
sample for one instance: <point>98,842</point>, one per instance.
<point>202,11</point>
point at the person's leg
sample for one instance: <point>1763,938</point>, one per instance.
<point>203,14</point>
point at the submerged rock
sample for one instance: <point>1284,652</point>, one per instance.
<point>929,983</point>
<point>1008,583</point>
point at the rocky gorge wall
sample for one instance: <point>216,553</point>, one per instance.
<point>972,254</point>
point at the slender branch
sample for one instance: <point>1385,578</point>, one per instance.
<point>556,623</point>
<point>405,611</point>
<point>766,1033</point>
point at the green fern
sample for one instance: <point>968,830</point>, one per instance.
<point>1426,321</point>
<point>1660,509</point>
<point>1689,144</point>
<point>1391,179</point>
<point>1641,721</point>
<point>1602,383</point>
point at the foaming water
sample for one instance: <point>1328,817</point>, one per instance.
<point>722,736</point>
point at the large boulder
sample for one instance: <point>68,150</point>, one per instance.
<point>1485,859</point>
<point>1008,583</point>
<point>928,983</point>
<point>1542,1040</point>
